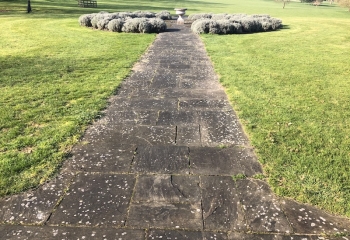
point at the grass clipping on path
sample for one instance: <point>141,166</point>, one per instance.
<point>54,80</point>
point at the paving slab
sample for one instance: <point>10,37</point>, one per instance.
<point>221,128</point>
<point>102,158</point>
<point>110,137</point>
<point>131,117</point>
<point>161,80</point>
<point>146,104</point>
<point>149,135</point>
<point>263,211</point>
<point>188,83</point>
<point>224,161</point>
<point>188,135</point>
<point>167,188</point>
<point>137,83</point>
<point>194,93</point>
<point>310,220</point>
<point>12,232</point>
<point>202,104</point>
<point>149,93</point>
<point>161,159</point>
<point>35,206</point>
<point>177,118</point>
<point>221,205</point>
<point>193,235</point>
<point>165,215</point>
<point>95,200</point>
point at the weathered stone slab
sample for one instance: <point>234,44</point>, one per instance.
<point>223,161</point>
<point>165,215</point>
<point>263,212</point>
<point>161,80</point>
<point>221,207</point>
<point>146,103</point>
<point>202,104</point>
<point>310,220</point>
<point>177,118</point>
<point>117,118</point>
<point>122,92</point>
<point>161,159</point>
<point>219,127</point>
<point>199,84</point>
<point>147,117</point>
<point>195,93</point>
<point>95,200</point>
<point>244,236</point>
<point>188,135</point>
<point>34,207</point>
<point>11,232</point>
<point>174,234</point>
<point>135,82</point>
<point>140,73</point>
<point>149,135</point>
<point>192,235</point>
<point>200,81</point>
<point>129,135</point>
<point>105,158</point>
<point>167,188</point>
<point>179,65</point>
<point>109,150</point>
<point>148,93</point>
<point>112,117</point>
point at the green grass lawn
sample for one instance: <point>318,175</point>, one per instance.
<point>290,89</point>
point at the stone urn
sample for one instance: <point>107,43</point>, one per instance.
<point>180,12</point>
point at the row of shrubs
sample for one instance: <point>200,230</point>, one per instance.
<point>131,22</point>
<point>233,23</point>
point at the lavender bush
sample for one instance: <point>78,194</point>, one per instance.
<point>233,23</point>
<point>131,22</point>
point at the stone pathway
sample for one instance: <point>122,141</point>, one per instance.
<point>159,165</point>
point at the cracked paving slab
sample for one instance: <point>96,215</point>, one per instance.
<point>167,188</point>
<point>161,159</point>
<point>222,209</point>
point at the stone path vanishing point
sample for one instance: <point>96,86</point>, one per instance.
<point>159,165</point>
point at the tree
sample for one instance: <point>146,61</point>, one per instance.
<point>344,3</point>
<point>284,2</point>
<point>29,8</point>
